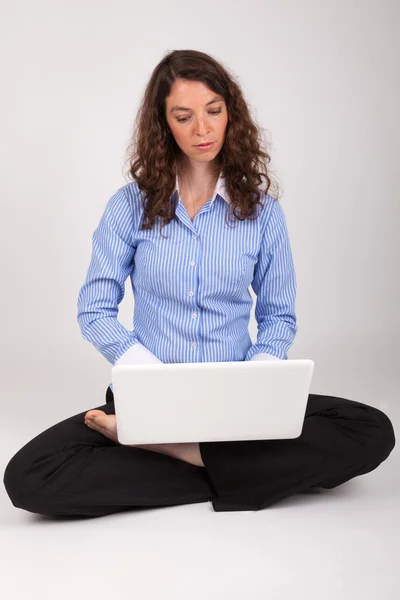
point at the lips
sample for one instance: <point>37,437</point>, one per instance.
<point>203,145</point>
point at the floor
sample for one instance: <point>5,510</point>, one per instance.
<point>322,544</point>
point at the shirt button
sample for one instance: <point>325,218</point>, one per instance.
<point>194,315</point>
<point>195,236</point>
<point>192,262</point>
<point>194,344</point>
<point>191,293</point>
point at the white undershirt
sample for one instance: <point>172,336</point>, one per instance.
<point>139,354</point>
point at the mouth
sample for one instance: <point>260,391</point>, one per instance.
<point>205,146</point>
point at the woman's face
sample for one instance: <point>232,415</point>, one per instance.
<point>195,115</point>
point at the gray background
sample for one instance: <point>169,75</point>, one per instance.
<point>322,78</point>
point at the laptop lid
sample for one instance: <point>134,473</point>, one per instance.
<point>211,401</point>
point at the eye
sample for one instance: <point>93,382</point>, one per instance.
<point>211,112</point>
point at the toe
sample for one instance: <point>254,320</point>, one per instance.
<point>94,413</point>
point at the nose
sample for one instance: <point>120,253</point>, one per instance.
<point>202,127</point>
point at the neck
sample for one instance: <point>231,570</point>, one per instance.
<point>199,176</point>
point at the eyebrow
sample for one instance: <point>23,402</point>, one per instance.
<point>176,108</point>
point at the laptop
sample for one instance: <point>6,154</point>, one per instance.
<point>211,401</point>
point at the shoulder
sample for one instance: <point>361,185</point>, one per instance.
<point>131,196</point>
<point>270,205</point>
<point>124,209</point>
<point>272,218</point>
<point>132,193</point>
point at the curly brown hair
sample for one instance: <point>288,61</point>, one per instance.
<point>153,153</point>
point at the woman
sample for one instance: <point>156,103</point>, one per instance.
<point>222,233</point>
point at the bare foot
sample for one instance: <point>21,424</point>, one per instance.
<point>107,425</point>
<point>103,423</point>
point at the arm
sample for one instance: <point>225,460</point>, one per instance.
<point>274,284</point>
<point>112,259</point>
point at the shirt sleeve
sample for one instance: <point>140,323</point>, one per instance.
<point>111,262</point>
<point>274,284</point>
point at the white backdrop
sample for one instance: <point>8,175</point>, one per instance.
<point>322,79</point>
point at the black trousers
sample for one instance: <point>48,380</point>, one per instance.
<point>70,469</point>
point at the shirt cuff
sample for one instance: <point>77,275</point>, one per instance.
<point>139,355</point>
<point>264,356</point>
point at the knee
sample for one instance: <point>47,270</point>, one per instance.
<point>16,485</point>
<point>384,439</point>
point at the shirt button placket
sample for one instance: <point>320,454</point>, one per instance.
<point>191,292</point>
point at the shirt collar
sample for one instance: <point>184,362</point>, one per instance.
<point>219,189</point>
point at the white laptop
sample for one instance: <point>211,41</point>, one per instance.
<point>214,401</point>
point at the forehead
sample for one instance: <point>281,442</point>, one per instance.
<point>191,92</point>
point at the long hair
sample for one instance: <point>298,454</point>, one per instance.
<point>153,153</point>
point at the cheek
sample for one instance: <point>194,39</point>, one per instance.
<point>223,126</point>
<point>180,137</point>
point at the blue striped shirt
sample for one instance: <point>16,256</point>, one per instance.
<point>191,287</point>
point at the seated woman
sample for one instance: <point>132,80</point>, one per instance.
<point>197,167</point>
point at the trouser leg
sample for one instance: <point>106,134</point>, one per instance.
<point>71,469</point>
<point>341,439</point>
